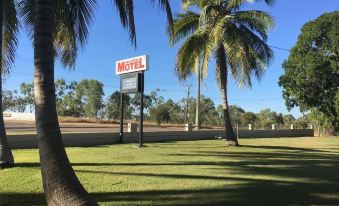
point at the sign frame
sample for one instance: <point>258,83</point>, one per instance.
<point>137,84</point>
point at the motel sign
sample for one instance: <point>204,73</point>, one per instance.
<point>135,64</point>
<point>131,73</point>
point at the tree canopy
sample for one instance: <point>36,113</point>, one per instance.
<point>90,92</point>
<point>311,78</point>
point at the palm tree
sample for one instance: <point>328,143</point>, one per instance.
<point>8,40</point>
<point>58,28</point>
<point>236,39</point>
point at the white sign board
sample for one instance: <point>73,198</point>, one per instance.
<point>135,64</point>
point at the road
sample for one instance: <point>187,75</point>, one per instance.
<point>29,127</point>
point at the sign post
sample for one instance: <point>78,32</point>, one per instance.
<point>121,134</point>
<point>131,72</point>
<point>141,127</point>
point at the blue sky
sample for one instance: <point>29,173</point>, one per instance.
<point>108,42</point>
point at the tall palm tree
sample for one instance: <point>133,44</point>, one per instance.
<point>8,40</point>
<point>236,38</point>
<point>59,28</point>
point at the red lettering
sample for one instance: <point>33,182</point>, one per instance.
<point>141,65</point>
<point>121,67</point>
<point>127,67</point>
<point>132,65</point>
<point>137,65</point>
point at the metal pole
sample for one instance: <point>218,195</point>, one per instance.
<point>121,117</point>
<point>197,112</point>
<point>187,98</point>
<point>237,129</point>
<point>237,124</point>
<point>141,135</point>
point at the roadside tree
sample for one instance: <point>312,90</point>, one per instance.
<point>27,90</point>
<point>311,78</point>
<point>112,108</point>
<point>90,92</point>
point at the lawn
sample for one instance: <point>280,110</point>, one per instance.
<point>265,172</point>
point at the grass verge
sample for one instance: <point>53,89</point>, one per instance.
<point>277,171</point>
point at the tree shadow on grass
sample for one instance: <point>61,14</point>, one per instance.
<point>250,193</point>
<point>253,193</point>
<point>286,148</point>
<point>27,164</point>
<point>22,199</point>
<point>279,176</point>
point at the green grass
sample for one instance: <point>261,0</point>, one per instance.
<point>23,132</point>
<point>265,172</point>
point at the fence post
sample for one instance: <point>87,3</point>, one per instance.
<point>132,128</point>
<point>273,126</point>
<point>188,127</point>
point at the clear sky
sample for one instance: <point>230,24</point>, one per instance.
<point>108,42</point>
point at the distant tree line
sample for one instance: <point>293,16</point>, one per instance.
<point>86,99</point>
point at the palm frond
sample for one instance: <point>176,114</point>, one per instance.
<point>208,13</point>
<point>73,18</point>
<point>247,54</point>
<point>165,5</point>
<point>26,9</point>
<point>185,4</point>
<point>236,4</point>
<point>125,10</point>
<point>184,25</point>
<point>191,49</point>
<point>206,55</point>
<point>66,45</point>
<point>10,29</point>
<point>218,27</point>
<point>81,13</point>
<point>258,21</point>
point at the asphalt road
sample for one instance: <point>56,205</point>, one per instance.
<point>29,127</point>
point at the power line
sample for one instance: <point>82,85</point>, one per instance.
<point>172,91</point>
<point>275,47</point>
<point>68,80</point>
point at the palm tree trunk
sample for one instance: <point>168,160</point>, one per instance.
<point>6,156</point>
<point>222,75</point>
<point>229,132</point>
<point>61,186</point>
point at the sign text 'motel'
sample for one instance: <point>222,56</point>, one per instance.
<point>135,64</point>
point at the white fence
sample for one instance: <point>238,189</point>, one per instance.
<point>94,139</point>
<point>19,116</point>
